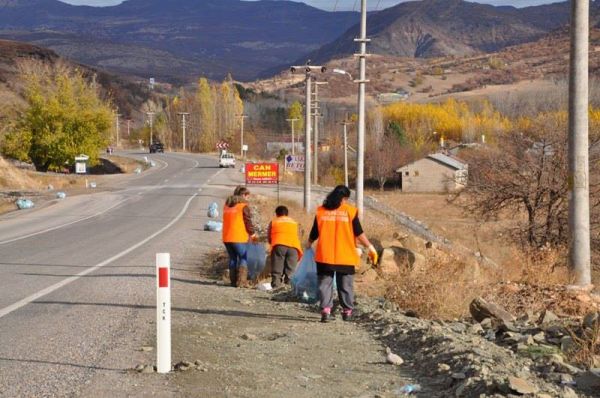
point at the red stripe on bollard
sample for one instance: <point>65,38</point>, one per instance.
<point>163,277</point>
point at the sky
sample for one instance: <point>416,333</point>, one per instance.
<point>344,4</point>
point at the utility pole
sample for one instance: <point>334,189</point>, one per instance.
<point>578,180</point>
<point>242,117</point>
<point>183,126</point>
<point>316,115</point>
<point>345,123</point>
<point>307,127</point>
<point>293,140</point>
<point>362,81</point>
<point>151,117</point>
<point>118,138</point>
<point>128,127</point>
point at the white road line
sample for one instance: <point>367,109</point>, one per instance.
<point>62,225</point>
<point>27,300</point>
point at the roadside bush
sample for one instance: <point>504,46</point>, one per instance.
<point>64,117</point>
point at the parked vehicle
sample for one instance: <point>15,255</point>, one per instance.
<point>157,147</point>
<point>226,160</point>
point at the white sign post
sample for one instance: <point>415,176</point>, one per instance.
<point>294,163</point>
<point>163,313</point>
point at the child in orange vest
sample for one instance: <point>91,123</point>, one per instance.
<point>285,247</point>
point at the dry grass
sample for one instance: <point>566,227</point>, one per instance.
<point>127,165</point>
<point>16,179</point>
<point>440,289</point>
<point>443,284</point>
<point>586,346</point>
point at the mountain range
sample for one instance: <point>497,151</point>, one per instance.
<point>179,40</point>
<point>437,28</point>
<point>171,39</point>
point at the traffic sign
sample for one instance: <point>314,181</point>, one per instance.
<point>294,162</point>
<point>222,145</point>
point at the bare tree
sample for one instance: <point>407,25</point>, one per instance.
<point>525,174</point>
<point>383,159</point>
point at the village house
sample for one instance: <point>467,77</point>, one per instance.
<point>435,173</point>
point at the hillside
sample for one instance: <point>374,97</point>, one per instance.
<point>531,66</point>
<point>437,28</point>
<point>125,93</point>
<point>176,39</point>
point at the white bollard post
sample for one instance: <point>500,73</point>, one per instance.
<point>163,313</point>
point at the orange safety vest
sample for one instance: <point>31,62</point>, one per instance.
<point>234,229</point>
<point>284,231</point>
<point>336,244</point>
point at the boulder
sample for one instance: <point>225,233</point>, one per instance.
<point>395,258</point>
<point>547,317</point>
<point>521,386</point>
<point>481,309</point>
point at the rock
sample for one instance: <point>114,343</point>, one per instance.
<point>148,369</point>
<point>555,331</point>
<point>395,258</point>
<point>568,392</point>
<point>539,337</point>
<point>527,340</point>
<point>481,309</point>
<point>486,323</point>
<point>547,317</point>
<point>183,366</point>
<point>442,367</point>
<point>249,337</point>
<point>476,329</point>
<point>139,368</point>
<point>543,395</point>
<point>567,344</point>
<point>458,376</point>
<point>521,386</point>
<point>393,358</point>
<point>458,327</point>
<point>566,379</point>
<point>589,380</point>
<point>591,320</point>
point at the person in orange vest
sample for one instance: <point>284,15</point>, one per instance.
<point>336,229</point>
<point>285,247</point>
<point>237,232</point>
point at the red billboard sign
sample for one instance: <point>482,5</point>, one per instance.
<point>262,173</point>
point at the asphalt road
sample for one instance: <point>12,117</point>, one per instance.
<point>77,277</point>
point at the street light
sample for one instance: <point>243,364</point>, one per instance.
<point>342,72</point>
<point>242,117</point>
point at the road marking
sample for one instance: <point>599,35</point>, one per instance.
<point>27,300</point>
<point>62,225</point>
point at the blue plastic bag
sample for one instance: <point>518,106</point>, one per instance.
<point>214,226</point>
<point>23,204</point>
<point>305,283</point>
<point>256,258</point>
<point>213,210</point>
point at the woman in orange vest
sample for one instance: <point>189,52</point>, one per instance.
<point>237,231</point>
<point>336,230</point>
<point>285,247</point>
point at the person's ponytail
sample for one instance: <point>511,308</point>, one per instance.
<point>335,197</point>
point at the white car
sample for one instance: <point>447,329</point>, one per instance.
<point>226,160</point>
